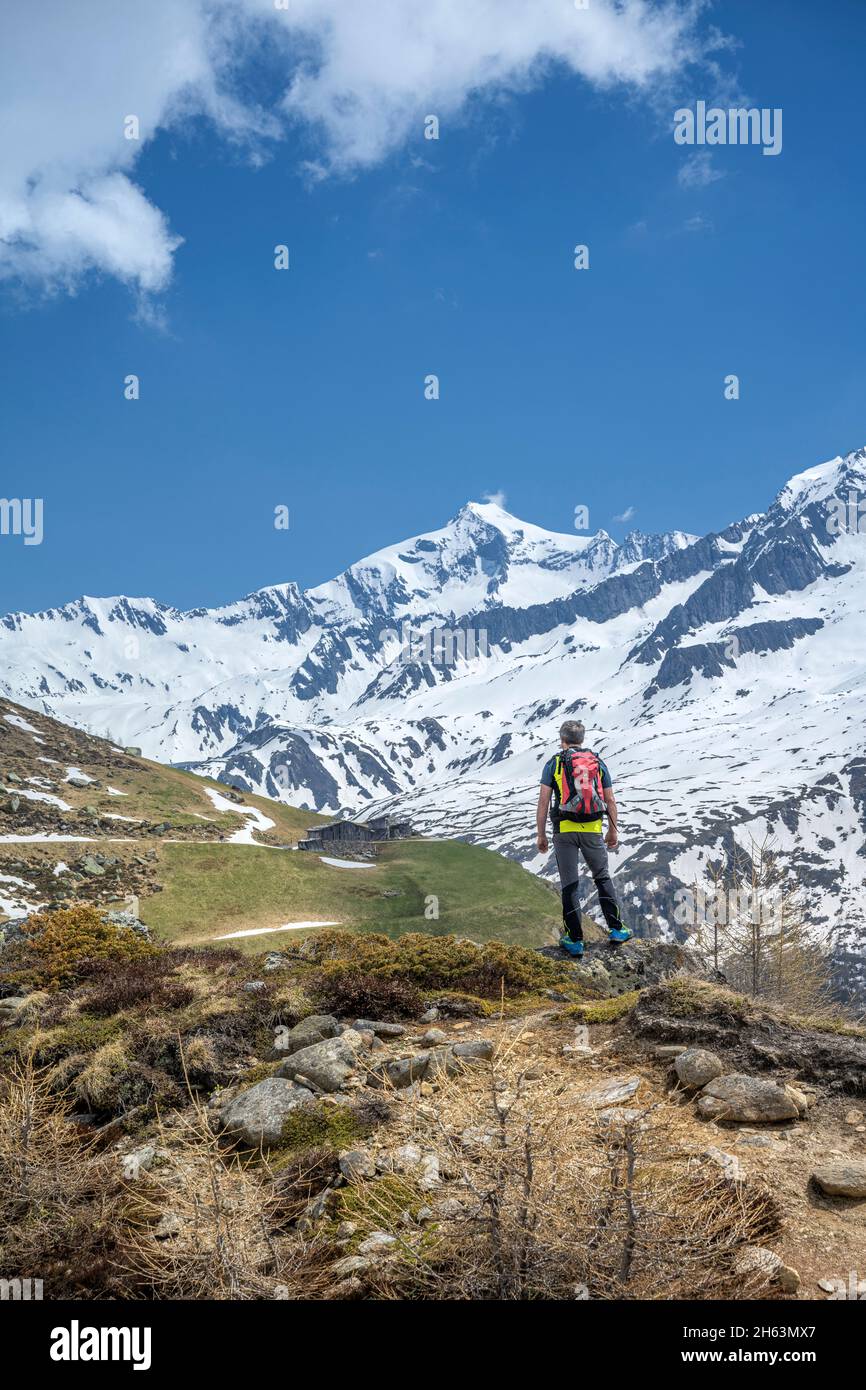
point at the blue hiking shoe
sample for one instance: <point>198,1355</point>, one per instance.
<point>573,948</point>
<point>619,934</point>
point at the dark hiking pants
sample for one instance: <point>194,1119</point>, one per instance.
<point>568,849</point>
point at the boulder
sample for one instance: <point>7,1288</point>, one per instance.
<point>746,1099</point>
<point>377,1243</point>
<point>478,1051</point>
<point>800,1099</point>
<point>310,1030</point>
<point>138,1161</point>
<point>257,1115</point>
<point>328,1064</point>
<point>614,1092</point>
<point>696,1067</point>
<point>357,1165</point>
<point>434,1037</point>
<point>847,1178</point>
<point>401,1072</point>
<point>381,1030</point>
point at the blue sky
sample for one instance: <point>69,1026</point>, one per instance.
<point>558,387</point>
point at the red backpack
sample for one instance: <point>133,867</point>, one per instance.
<point>577,777</point>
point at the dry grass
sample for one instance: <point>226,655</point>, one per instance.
<point>58,1196</point>
<point>560,1202</point>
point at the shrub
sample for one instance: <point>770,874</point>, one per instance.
<point>432,962</point>
<point>118,986</point>
<point>59,947</point>
<point>340,990</point>
<point>83,1033</point>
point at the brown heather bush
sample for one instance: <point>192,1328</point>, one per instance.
<point>117,986</point>
<point>364,995</point>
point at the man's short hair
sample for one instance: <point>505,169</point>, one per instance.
<point>572,731</point>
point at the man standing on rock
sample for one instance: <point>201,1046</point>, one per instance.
<point>580,785</point>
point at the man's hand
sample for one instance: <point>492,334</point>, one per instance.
<point>544,795</point>
<point>611,839</point>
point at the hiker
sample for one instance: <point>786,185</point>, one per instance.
<point>581,788</point>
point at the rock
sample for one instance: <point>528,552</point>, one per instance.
<point>665,1050</point>
<point>346,1230</point>
<point>322,1207</point>
<point>474,1138</point>
<point>594,971</point>
<point>88,865</point>
<point>377,1243</point>
<point>381,1030</point>
<point>257,1114</point>
<point>754,1259</point>
<point>827,1285</point>
<point>310,1030</point>
<point>854,1117</point>
<point>430,1175</point>
<point>800,1099</point>
<point>275,961</point>
<point>138,1161</point>
<point>128,921</point>
<point>442,1063</point>
<point>619,1117</point>
<point>433,1037</point>
<point>533,1073</point>
<point>401,1072</point>
<point>430,1015</point>
<point>9,1008</point>
<point>168,1225</point>
<point>612,1092</point>
<point>479,1051</point>
<point>357,1165</point>
<point>253,986</point>
<point>729,1163</point>
<point>788,1278</point>
<point>350,1264</point>
<point>406,1157</point>
<point>449,1210</point>
<point>845,1179</point>
<point>748,1099</point>
<point>328,1064</point>
<point>696,1067</point>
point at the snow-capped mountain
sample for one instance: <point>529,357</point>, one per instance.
<point>723,677</point>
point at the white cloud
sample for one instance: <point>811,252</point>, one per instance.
<point>698,224</point>
<point>360,75</point>
<point>626,515</point>
<point>698,171</point>
<point>497,498</point>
